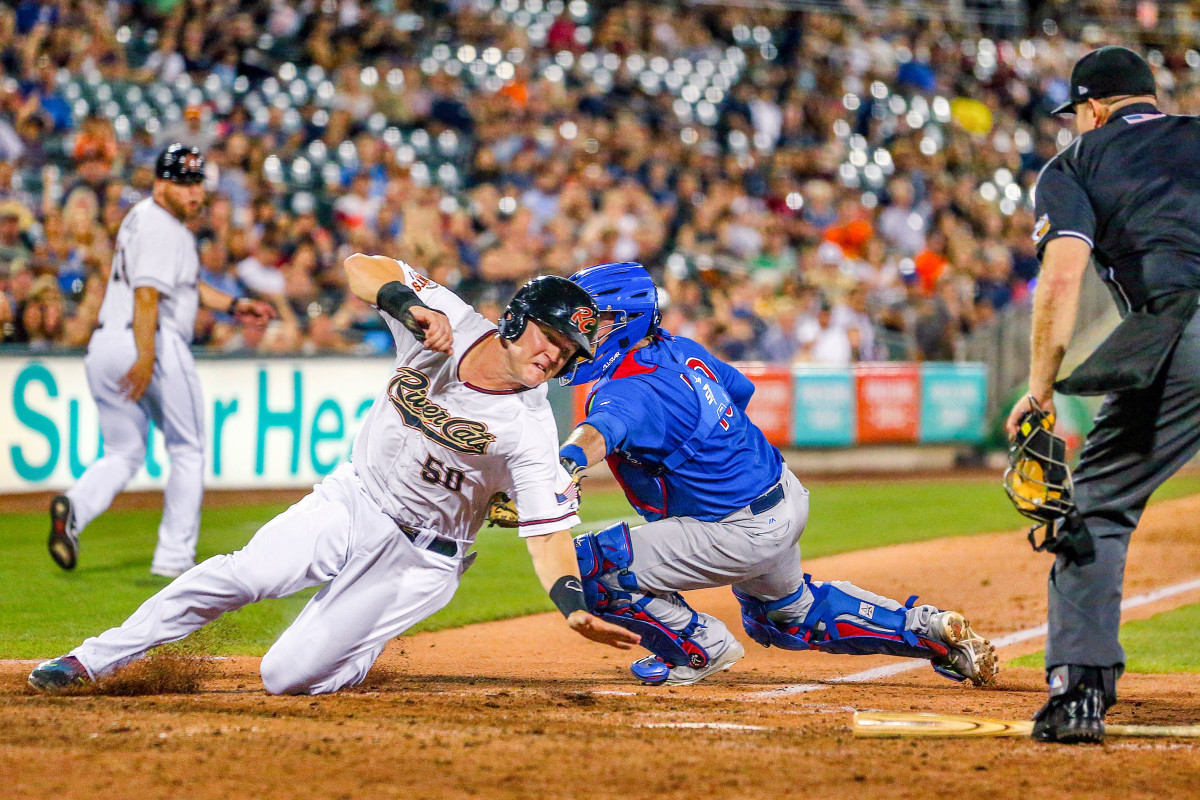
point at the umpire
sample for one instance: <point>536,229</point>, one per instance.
<point>1127,193</point>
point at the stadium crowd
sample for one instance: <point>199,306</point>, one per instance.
<point>809,187</point>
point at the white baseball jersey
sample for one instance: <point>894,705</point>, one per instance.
<point>433,449</point>
<point>154,249</point>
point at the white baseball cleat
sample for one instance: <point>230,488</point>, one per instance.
<point>169,572</point>
<point>970,656</point>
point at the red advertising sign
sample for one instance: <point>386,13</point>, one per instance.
<point>889,402</point>
<point>771,406</point>
<point>578,401</point>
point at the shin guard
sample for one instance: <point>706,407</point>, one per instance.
<point>836,622</point>
<point>611,592</point>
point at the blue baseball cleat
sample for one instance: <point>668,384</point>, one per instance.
<point>57,674</point>
<point>653,671</point>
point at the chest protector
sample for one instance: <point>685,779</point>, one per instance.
<point>643,479</point>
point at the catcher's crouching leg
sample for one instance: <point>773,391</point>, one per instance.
<point>836,621</point>
<point>611,591</point>
<point>839,617</point>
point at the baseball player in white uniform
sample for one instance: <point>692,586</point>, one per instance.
<point>139,367</point>
<point>463,417</point>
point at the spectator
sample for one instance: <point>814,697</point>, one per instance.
<point>42,314</point>
<point>16,249</point>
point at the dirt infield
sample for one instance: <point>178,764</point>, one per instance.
<point>525,708</point>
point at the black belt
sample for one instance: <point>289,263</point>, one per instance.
<point>767,501</point>
<point>438,544</point>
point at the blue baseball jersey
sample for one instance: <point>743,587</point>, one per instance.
<point>678,438</point>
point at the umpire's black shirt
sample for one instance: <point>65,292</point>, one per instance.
<point>1130,189</point>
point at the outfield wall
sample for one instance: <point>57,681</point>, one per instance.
<point>283,423</point>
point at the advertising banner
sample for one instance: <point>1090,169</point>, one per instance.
<point>267,423</point>
<point>823,410</point>
<point>889,402</point>
<point>286,423</point>
<point>771,406</point>
<point>953,399</point>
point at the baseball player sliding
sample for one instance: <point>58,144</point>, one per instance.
<point>722,509</point>
<point>463,416</point>
<point>139,367</point>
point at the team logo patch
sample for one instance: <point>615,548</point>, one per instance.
<point>1041,228</point>
<point>866,611</point>
<point>585,320</point>
<point>409,392</point>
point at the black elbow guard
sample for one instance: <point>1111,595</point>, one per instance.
<point>395,299</point>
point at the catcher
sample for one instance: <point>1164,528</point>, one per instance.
<point>1125,192</point>
<point>722,509</point>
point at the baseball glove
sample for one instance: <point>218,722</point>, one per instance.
<point>1038,480</point>
<point>501,511</point>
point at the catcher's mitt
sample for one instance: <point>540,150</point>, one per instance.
<point>501,511</point>
<point>1038,480</point>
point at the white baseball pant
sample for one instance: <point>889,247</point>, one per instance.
<point>175,404</point>
<point>377,585</point>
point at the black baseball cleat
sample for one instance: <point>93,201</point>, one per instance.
<point>64,542</point>
<point>1075,717</point>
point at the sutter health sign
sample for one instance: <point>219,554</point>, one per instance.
<point>267,423</point>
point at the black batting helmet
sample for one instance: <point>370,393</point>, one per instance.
<point>180,164</point>
<point>559,304</point>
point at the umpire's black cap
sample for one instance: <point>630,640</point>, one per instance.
<point>1111,71</point>
<point>180,164</point>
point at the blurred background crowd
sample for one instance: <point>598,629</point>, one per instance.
<point>822,186</point>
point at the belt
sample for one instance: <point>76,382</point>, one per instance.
<point>438,544</point>
<point>767,501</point>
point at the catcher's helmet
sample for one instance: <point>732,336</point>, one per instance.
<point>180,164</point>
<point>558,304</point>
<point>627,290</point>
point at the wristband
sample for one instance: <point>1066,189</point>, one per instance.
<point>233,301</point>
<point>573,459</point>
<point>567,594</point>
<point>395,299</point>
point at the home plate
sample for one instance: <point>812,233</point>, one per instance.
<point>716,726</point>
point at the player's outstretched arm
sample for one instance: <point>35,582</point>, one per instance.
<point>554,562</point>
<point>251,313</point>
<point>380,282</point>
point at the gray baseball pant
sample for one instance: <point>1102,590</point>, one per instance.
<point>1139,440</point>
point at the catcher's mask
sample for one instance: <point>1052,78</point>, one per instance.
<point>1038,479</point>
<point>627,290</point>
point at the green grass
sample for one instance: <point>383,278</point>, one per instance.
<point>45,611</point>
<point>1166,642</point>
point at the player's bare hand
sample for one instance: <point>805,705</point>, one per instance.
<point>253,313</point>
<point>1026,403</point>
<point>134,384</point>
<point>592,627</point>
<point>432,327</point>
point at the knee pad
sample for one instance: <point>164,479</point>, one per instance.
<point>766,631</point>
<point>837,622</point>
<point>605,551</point>
<point>609,552</point>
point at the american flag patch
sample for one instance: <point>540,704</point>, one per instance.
<point>570,495</point>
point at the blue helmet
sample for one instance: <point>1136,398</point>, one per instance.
<point>628,291</point>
